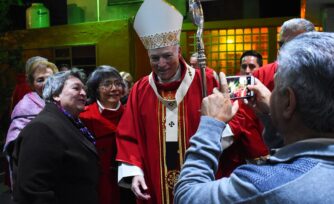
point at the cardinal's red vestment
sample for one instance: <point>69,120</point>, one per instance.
<point>154,131</point>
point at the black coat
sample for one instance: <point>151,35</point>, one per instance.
<point>55,162</point>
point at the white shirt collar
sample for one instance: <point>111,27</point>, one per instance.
<point>101,107</point>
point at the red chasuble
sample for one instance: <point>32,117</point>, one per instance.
<point>145,129</point>
<point>103,127</point>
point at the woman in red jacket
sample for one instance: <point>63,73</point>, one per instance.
<point>101,116</point>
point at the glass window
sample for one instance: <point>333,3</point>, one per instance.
<point>224,47</point>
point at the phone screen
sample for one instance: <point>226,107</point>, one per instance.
<point>237,86</point>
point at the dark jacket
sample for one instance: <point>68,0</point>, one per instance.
<point>55,162</point>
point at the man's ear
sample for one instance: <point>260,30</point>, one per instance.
<point>289,101</point>
<point>180,51</point>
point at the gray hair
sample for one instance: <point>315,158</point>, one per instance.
<point>296,26</point>
<point>81,72</point>
<point>306,64</point>
<point>55,83</point>
<point>194,55</point>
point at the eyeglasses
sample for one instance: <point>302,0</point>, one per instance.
<point>280,43</point>
<point>251,66</point>
<point>109,84</point>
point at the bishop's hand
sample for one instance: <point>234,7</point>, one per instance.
<point>139,188</point>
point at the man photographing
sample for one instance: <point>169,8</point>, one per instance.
<point>301,108</point>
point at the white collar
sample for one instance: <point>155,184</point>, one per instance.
<point>180,92</point>
<point>101,107</point>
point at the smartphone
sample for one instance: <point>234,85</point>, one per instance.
<point>237,86</point>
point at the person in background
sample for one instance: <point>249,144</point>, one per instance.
<point>300,108</point>
<point>101,117</point>
<point>250,143</point>
<point>250,60</point>
<point>162,110</point>
<point>55,158</point>
<point>193,62</point>
<point>22,86</point>
<point>81,72</point>
<point>37,72</point>
<point>64,67</point>
<point>128,86</point>
<point>289,30</point>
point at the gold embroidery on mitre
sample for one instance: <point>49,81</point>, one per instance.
<point>171,178</point>
<point>161,40</point>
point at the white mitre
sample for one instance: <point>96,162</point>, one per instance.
<point>158,24</point>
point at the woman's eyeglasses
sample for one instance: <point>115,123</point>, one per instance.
<point>109,84</point>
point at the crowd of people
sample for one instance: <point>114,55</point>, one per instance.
<point>101,138</point>
<point>61,143</point>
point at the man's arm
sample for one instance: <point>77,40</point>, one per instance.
<point>197,179</point>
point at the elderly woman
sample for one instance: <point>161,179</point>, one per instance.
<point>38,69</point>
<point>55,153</point>
<point>105,89</point>
<point>22,87</point>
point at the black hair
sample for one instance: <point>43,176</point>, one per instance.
<point>97,76</point>
<point>254,54</point>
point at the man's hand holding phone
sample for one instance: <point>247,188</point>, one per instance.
<point>261,100</point>
<point>218,105</point>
